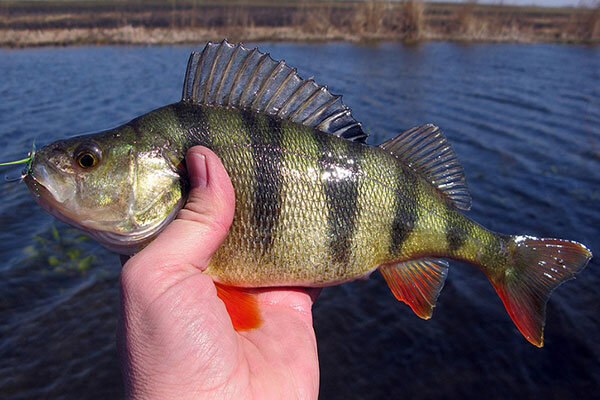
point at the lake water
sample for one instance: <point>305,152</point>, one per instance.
<point>524,120</point>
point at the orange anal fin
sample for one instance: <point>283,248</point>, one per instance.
<point>417,283</point>
<point>241,306</point>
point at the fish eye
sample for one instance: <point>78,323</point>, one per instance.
<point>87,160</point>
<point>87,155</point>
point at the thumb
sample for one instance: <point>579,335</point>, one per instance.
<point>200,227</point>
<point>203,223</point>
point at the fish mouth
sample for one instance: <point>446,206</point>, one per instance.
<point>44,196</point>
<point>121,243</point>
<point>38,178</point>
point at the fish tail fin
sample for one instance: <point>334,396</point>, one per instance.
<point>533,268</point>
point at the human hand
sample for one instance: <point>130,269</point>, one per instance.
<point>175,337</point>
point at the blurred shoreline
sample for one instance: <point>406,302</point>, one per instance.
<point>63,23</point>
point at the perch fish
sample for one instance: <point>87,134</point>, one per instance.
<point>315,205</point>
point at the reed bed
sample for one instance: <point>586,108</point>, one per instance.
<point>38,23</point>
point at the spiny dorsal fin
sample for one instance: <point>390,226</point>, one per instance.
<point>426,150</point>
<point>234,76</point>
<point>417,283</point>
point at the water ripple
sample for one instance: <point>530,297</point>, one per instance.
<point>524,119</point>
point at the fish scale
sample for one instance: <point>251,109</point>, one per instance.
<point>333,185</point>
<point>315,205</point>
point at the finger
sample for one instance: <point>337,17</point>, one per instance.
<point>203,223</point>
<point>297,298</point>
<point>188,243</point>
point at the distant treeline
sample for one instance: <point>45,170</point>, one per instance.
<point>34,23</point>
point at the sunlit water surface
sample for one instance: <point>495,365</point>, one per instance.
<point>524,120</point>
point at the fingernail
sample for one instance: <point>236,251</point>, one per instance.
<point>197,170</point>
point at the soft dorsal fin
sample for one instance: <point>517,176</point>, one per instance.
<point>234,76</point>
<point>417,283</point>
<point>426,150</point>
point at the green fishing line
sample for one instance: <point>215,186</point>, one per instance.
<point>23,161</point>
<point>26,160</point>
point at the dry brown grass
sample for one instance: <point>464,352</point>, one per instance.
<point>312,19</point>
<point>413,12</point>
<point>591,26</point>
<point>368,17</point>
<point>466,18</point>
<point>26,23</point>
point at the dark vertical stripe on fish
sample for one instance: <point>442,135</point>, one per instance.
<point>193,120</point>
<point>455,237</point>
<point>267,156</point>
<point>405,212</point>
<point>139,127</point>
<point>341,192</point>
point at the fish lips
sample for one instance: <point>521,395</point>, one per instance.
<point>46,192</point>
<point>43,181</point>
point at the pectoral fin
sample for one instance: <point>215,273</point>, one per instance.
<point>241,306</point>
<point>417,283</point>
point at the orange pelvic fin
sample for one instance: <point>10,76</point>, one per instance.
<point>417,283</point>
<point>241,306</point>
<point>538,266</point>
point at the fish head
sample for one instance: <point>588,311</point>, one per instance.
<point>120,189</point>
